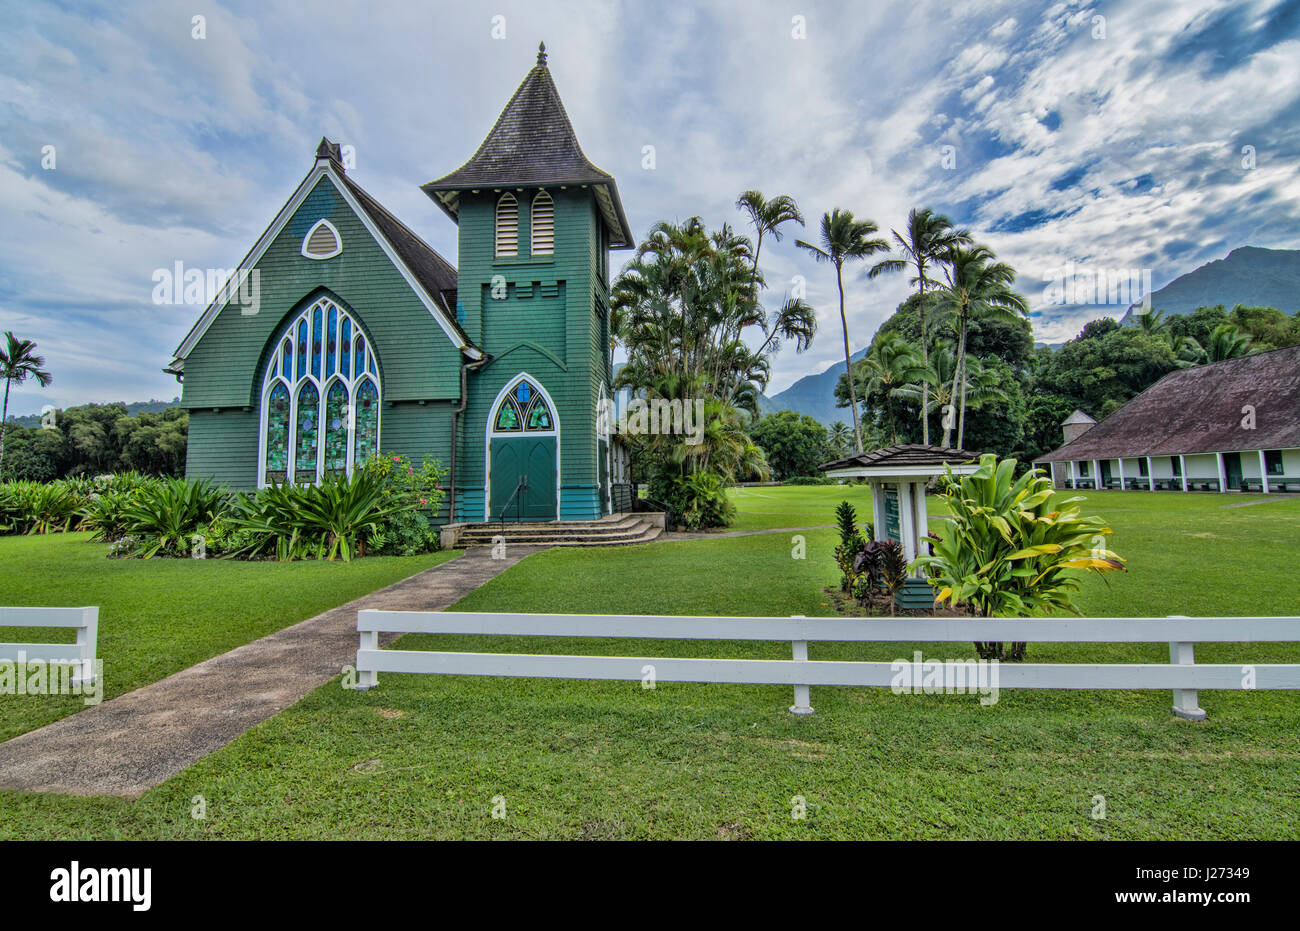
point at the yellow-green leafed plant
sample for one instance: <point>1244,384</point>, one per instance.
<point>1013,548</point>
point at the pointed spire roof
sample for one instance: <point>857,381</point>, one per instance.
<point>533,144</point>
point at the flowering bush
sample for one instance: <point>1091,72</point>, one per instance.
<point>419,490</point>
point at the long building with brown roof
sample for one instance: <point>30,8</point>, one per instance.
<point>1227,426</point>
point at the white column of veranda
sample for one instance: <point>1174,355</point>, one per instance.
<point>1122,486</point>
<point>1071,473</point>
<point>922,520</point>
<point>1096,473</point>
<point>877,507</point>
<point>1263,472</point>
<point>1182,468</point>
<point>906,516</point>
<point>1151,474</point>
<point>1223,473</point>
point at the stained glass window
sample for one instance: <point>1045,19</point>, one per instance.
<point>539,415</point>
<point>315,341</point>
<point>508,419</point>
<point>366,442</point>
<point>523,408</point>
<point>331,341</point>
<point>307,435</point>
<point>336,428</point>
<point>306,431</point>
<point>277,434</point>
<point>302,350</point>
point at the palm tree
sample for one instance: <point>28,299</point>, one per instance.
<point>1227,342</point>
<point>925,242</point>
<point>981,385</point>
<point>843,238</point>
<point>1153,321</point>
<point>18,362</point>
<point>839,435</point>
<point>890,363</point>
<point>767,217</point>
<point>977,287</point>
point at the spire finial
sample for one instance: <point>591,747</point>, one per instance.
<point>541,54</point>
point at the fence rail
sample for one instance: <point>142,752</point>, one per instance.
<point>1181,675</point>
<point>81,653</point>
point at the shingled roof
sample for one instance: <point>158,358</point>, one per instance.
<point>903,455</point>
<point>1202,410</point>
<point>533,144</point>
<point>435,273</point>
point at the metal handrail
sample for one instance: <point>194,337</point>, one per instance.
<point>666,508</point>
<point>514,496</point>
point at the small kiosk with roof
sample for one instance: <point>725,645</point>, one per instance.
<point>898,476</point>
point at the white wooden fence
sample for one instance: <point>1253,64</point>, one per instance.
<point>1182,675</point>
<point>81,654</point>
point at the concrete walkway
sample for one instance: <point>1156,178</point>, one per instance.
<point>130,744</point>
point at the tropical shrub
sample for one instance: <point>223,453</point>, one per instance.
<point>168,517</point>
<point>419,491</point>
<point>39,507</point>
<point>699,499</point>
<point>852,542</point>
<point>1013,548</point>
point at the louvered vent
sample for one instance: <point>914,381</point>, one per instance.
<point>507,225</point>
<point>322,241</point>
<point>543,224</point>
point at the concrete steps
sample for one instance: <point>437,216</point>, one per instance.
<point>615,530</point>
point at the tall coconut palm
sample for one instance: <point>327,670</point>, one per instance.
<point>843,239</point>
<point>924,243</point>
<point>767,217</point>
<point>18,362</point>
<point>977,287</point>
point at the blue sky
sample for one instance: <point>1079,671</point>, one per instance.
<point>1108,135</point>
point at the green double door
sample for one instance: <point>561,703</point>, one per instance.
<point>526,464</point>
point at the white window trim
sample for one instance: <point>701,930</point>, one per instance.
<point>318,256</point>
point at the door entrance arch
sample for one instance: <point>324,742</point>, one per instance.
<point>523,453</point>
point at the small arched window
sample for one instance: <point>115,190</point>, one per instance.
<point>523,409</point>
<point>507,225</point>
<point>543,225</point>
<point>322,241</point>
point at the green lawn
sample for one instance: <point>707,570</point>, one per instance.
<point>159,616</point>
<point>424,756</point>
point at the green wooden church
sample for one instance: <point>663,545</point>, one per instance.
<point>365,341</point>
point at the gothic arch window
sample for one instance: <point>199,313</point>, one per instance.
<point>320,398</point>
<point>523,410</point>
<point>507,225</point>
<point>543,225</point>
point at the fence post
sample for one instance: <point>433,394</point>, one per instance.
<point>87,635</point>
<point>1182,653</point>
<point>368,679</point>
<point>802,700</point>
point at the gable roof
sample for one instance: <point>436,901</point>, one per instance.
<point>430,276</point>
<point>903,455</point>
<point>1201,410</point>
<point>532,144</point>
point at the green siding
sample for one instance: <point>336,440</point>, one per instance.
<point>418,360</point>
<point>547,325</point>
